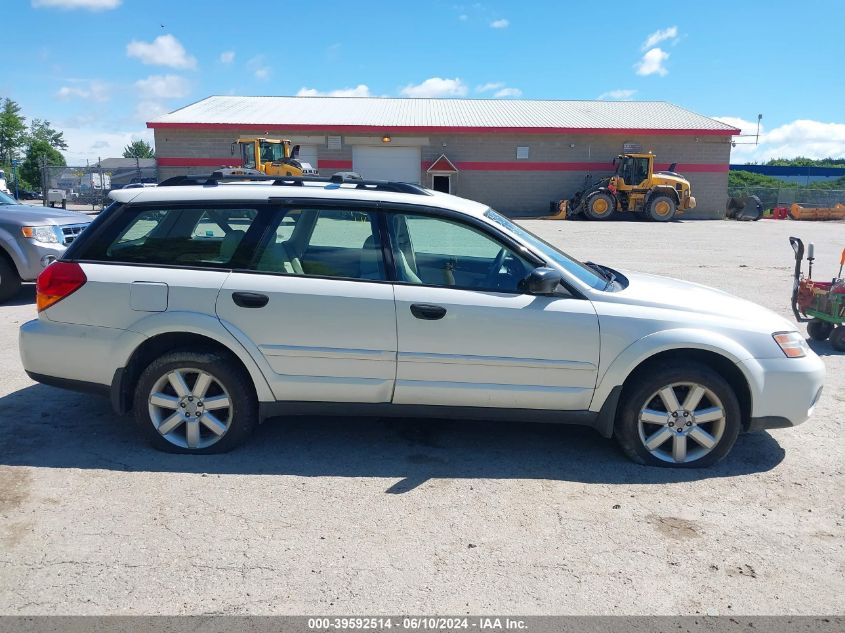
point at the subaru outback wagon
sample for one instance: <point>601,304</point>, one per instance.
<point>205,306</point>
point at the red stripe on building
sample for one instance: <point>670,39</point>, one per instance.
<point>333,164</point>
<point>228,161</point>
<point>269,128</point>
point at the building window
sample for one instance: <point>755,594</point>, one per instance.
<point>333,142</point>
<point>522,153</point>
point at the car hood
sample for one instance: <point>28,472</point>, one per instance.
<point>29,215</point>
<point>673,294</point>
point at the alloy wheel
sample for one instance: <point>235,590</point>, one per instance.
<point>681,423</point>
<point>190,408</point>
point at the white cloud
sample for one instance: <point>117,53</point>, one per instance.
<point>163,86</point>
<point>617,95</point>
<point>493,85</point>
<point>259,68</point>
<point>93,90</point>
<point>508,92</point>
<point>499,24</point>
<point>803,137</point>
<point>149,109</point>
<point>659,36</point>
<point>227,57</point>
<point>436,87</point>
<point>361,90</point>
<point>463,17</point>
<point>652,63</point>
<point>165,50</point>
<point>91,143</point>
<point>91,5</point>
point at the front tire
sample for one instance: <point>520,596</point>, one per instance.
<point>685,416</point>
<point>195,402</point>
<point>600,206</point>
<point>819,330</point>
<point>10,282</point>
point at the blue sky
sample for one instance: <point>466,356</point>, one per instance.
<point>99,69</point>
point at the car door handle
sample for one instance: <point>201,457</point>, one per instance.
<point>427,311</point>
<point>250,299</point>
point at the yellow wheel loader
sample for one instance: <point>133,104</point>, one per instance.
<point>271,157</point>
<point>635,187</point>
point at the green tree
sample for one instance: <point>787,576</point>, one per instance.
<point>40,130</point>
<point>12,130</point>
<point>138,149</point>
<point>37,151</point>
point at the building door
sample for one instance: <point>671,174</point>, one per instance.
<point>400,164</point>
<point>308,154</point>
<point>442,183</point>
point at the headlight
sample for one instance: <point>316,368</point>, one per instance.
<point>43,234</point>
<point>792,344</point>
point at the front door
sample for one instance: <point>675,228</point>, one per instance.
<point>317,306</point>
<point>469,337</point>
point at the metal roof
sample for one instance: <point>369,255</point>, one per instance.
<point>447,115</point>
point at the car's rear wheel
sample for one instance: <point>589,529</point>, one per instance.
<point>195,402</point>
<point>10,282</point>
<point>685,416</point>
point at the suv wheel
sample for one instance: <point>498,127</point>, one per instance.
<point>189,402</point>
<point>685,416</point>
<point>10,283</point>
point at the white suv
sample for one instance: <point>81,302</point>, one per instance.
<point>206,306</point>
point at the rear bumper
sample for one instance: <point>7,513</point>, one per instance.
<point>62,354</point>
<point>784,390</point>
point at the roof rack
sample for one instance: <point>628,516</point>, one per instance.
<point>335,182</point>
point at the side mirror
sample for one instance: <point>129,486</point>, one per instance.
<point>542,281</point>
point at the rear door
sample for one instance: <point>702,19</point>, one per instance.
<point>316,303</point>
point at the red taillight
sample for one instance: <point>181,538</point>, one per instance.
<point>57,281</point>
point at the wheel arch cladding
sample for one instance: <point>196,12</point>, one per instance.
<point>125,379</point>
<point>717,362</point>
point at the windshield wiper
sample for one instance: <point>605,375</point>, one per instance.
<point>608,275</point>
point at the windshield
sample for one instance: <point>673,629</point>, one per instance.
<point>4,199</point>
<point>549,252</point>
<point>272,152</point>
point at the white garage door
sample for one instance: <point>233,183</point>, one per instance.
<point>308,154</point>
<point>400,164</point>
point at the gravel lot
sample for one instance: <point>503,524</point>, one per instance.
<point>337,516</point>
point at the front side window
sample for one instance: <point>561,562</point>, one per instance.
<point>248,155</point>
<point>182,236</point>
<point>438,251</point>
<point>323,243</point>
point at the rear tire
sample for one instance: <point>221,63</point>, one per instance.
<point>599,206</point>
<point>10,282</point>
<point>837,338</point>
<point>819,330</point>
<point>661,208</point>
<point>682,416</point>
<point>195,402</point>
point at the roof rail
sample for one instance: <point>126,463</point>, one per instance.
<point>334,182</point>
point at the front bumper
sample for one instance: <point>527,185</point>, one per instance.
<point>35,257</point>
<point>784,391</point>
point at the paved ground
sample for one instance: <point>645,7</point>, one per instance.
<point>338,516</point>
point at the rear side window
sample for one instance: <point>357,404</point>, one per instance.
<point>188,236</point>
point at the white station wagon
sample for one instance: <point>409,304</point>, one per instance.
<point>206,306</point>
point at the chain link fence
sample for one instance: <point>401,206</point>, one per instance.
<point>772,197</point>
<point>88,186</point>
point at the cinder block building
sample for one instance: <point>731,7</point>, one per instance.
<point>515,155</point>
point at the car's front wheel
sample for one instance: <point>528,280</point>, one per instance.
<point>195,402</point>
<point>685,415</point>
